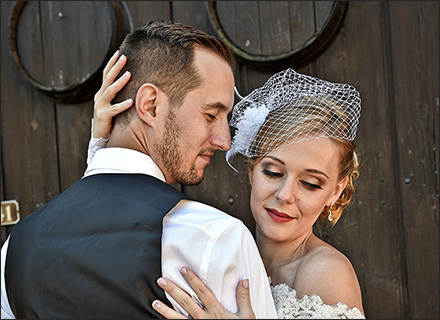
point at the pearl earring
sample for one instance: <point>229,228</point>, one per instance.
<point>330,217</point>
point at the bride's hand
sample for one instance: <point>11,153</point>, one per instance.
<point>104,111</point>
<point>212,308</point>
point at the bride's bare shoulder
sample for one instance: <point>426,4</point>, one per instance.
<point>327,272</point>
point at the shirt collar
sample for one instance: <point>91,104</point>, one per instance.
<point>122,160</point>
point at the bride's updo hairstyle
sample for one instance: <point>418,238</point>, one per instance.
<point>291,108</point>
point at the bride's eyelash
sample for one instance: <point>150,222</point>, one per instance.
<point>311,186</point>
<point>271,174</point>
<point>307,185</point>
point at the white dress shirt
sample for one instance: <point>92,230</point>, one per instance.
<point>216,246</point>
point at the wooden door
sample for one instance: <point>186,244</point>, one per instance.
<point>388,50</point>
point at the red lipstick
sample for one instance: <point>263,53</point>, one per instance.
<point>278,217</point>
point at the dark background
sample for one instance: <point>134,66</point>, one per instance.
<point>388,50</point>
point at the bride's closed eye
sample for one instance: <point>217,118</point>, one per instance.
<point>272,174</point>
<point>310,186</point>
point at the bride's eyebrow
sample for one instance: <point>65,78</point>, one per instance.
<point>307,170</point>
<point>317,172</point>
<point>276,159</point>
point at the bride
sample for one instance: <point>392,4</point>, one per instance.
<point>297,134</point>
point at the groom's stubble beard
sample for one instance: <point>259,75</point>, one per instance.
<point>171,155</point>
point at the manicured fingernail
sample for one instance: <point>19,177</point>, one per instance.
<point>162,282</point>
<point>183,270</point>
<point>156,304</point>
<point>120,58</point>
<point>129,101</point>
<point>246,282</point>
<point>126,73</point>
<point>116,53</point>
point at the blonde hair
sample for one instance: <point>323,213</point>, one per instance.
<point>307,118</point>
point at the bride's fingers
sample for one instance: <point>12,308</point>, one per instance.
<point>166,311</point>
<point>206,296</point>
<point>117,108</point>
<point>103,108</point>
<point>106,94</point>
<point>111,72</point>
<point>182,298</point>
<point>110,64</point>
<point>102,123</point>
<point>244,300</point>
<point>104,111</point>
<point>115,70</point>
<point>103,98</point>
<point>116,86</point>
<point>214,309</point>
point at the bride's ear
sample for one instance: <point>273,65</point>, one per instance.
<point>251,174</point>
<point>338,190</point>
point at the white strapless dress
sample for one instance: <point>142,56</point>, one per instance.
<point>289,306</point>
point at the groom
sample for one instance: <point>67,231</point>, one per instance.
<point>97,249</point>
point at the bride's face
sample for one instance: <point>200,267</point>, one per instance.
<point>291,186</point>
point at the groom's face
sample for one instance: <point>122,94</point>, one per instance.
<point>198,127</point>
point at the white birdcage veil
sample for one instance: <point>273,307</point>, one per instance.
<point>292,107</point>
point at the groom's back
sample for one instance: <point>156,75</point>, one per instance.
<point>92,252</point>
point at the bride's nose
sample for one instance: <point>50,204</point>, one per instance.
<point>286,192</point>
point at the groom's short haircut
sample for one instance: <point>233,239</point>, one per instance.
<point>162,53</point>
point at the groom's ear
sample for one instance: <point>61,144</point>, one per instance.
<point>150,102</point>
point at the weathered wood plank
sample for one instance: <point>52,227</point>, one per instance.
<point>371,234</point>
<point>226,12</point>
<point>322,12</point>
<point>246,26</point>
<point>193,13</point>
<point>53,34</point>
<point>73,131</point>
<point>415,65</point>
<point>29,148</point>
<point>275,27</point>
<point>389,51</point>
<point>76,36</point>
<point>5,229</point>
<point>29,40</point>
<point>144,11</point>
<point>302,22</point>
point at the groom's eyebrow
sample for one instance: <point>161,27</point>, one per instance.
<point>218,105</point>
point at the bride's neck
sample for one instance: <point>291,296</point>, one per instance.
<point>279,255</point>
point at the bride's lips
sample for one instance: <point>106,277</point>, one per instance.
<point>278,217</point>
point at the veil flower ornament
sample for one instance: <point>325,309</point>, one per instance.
<point>247,127</point>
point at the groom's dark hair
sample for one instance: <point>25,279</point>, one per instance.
<point>162,53</point>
